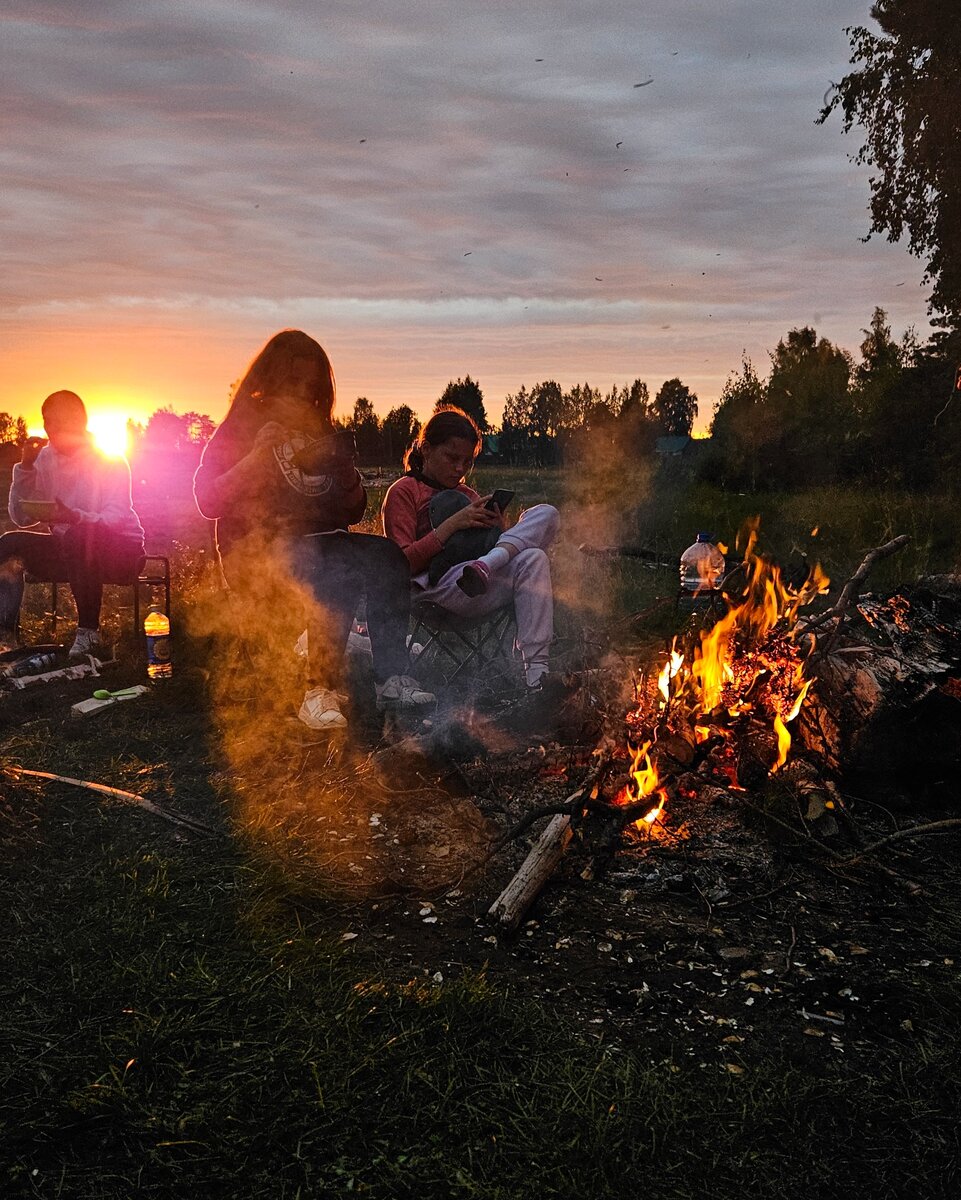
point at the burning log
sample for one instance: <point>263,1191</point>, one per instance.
<point>888,703</point>
<point>597,820</point>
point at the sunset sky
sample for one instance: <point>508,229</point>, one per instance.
<point>430,190</point>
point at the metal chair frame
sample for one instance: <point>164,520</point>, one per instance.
<point>155,572</point>
<point>473,642</point>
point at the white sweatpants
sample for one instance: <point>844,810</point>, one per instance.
<point>526,580</point>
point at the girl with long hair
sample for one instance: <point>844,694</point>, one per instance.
<point>283,487</point>
<point>463,556</point>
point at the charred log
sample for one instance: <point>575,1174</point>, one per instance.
<point>888,697</point>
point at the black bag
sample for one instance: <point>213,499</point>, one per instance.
<point>463,546</point>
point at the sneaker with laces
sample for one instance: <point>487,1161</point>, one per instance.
<point>403,691</point>
<point>474,579</point>
<point>87,641</point>
<point>321,710</point>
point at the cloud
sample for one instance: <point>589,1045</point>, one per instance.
<point>412,163</point>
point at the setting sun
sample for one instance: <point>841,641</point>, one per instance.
<point>109,429</point>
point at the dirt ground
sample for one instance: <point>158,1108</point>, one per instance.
<point>729,937</point>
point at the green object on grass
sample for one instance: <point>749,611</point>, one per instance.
<point>103,694</point>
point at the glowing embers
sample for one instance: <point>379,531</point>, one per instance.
<point>745,673</point>
<point>644,783</point>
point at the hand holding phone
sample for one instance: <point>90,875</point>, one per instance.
<point>30,449</point>
<point>499,500</point>
<point>328,454</point>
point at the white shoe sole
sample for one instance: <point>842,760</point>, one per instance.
<point>328,723</point>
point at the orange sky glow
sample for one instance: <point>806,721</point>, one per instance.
<point>585,194</point>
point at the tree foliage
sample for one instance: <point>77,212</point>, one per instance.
<point>12,429</point>
<point>674,408</point>
<point>906,94</point>
<point>398,430</point>
<point>740,429</point>
<point>466,395</point>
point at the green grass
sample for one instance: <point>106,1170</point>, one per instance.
<point>171,1023</point>
<point>175,1020</point>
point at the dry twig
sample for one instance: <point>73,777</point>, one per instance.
<point>119,794</point>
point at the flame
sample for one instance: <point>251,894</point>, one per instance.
<point>783,743</point>
<point>671,668</point>
<point>645,781</point>
<point>748,661</point>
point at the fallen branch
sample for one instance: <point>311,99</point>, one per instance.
<point>851,589</point>
<point>915,831</point>
<point>510,906</point>
<point>119,794</point>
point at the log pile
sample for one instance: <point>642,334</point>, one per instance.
<point>886,703</point>
<point>888,691</point>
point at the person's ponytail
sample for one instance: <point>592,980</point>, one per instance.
<point>414,461</point>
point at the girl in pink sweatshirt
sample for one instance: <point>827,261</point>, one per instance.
<point>423,515</point>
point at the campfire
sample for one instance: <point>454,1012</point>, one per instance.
<point>871,685</point>
<point>739,683</point>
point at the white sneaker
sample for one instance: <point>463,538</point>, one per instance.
<point>86,642</point>
<point>321,710</point>
<point>403,691</point>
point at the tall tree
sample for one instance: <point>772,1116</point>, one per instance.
<point>674,408</point>
<point>880,353</point>
<point>740,429</point>
<point>466,395</point>
<point>366,430</point>
<point>906,94</point>
<point>398,430</point>
<point>810,409</point>
<point>165,431</point>
<point>200,428</point>
<point>12,429</point>
<point>633,399</point>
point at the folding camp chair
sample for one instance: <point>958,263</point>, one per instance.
<point>153,573</point>
<point>471,644</point>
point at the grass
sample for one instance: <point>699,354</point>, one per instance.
<point>171,1022</point>
<point>173,1019</point>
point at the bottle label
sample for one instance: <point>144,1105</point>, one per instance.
<point>158,649</point>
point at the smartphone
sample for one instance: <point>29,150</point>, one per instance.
<point>327,453</point>
<point>499,500</point>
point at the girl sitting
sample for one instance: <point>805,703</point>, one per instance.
<point>284,490</point>
<point>429,511</point>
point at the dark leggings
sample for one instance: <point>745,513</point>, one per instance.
<point>87,556</point>
<point>338,569</point>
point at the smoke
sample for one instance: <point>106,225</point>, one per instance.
<point>602,495</point>
<point>334,816</point>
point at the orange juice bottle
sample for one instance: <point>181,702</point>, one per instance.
<point>157,629</point>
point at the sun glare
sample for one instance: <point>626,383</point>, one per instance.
<point>109,431</point>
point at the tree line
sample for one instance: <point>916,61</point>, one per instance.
<point>818,415</point>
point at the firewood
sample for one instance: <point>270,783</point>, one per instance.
<point>513,902</point>
<point>888,712</point>
<point>851,589</point>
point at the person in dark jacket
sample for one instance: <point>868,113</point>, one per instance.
<point>284,489</point>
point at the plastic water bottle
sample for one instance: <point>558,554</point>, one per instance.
<point>157,629</point>
<point>33,665</point>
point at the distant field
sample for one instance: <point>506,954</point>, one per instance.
<point>622,505</point>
